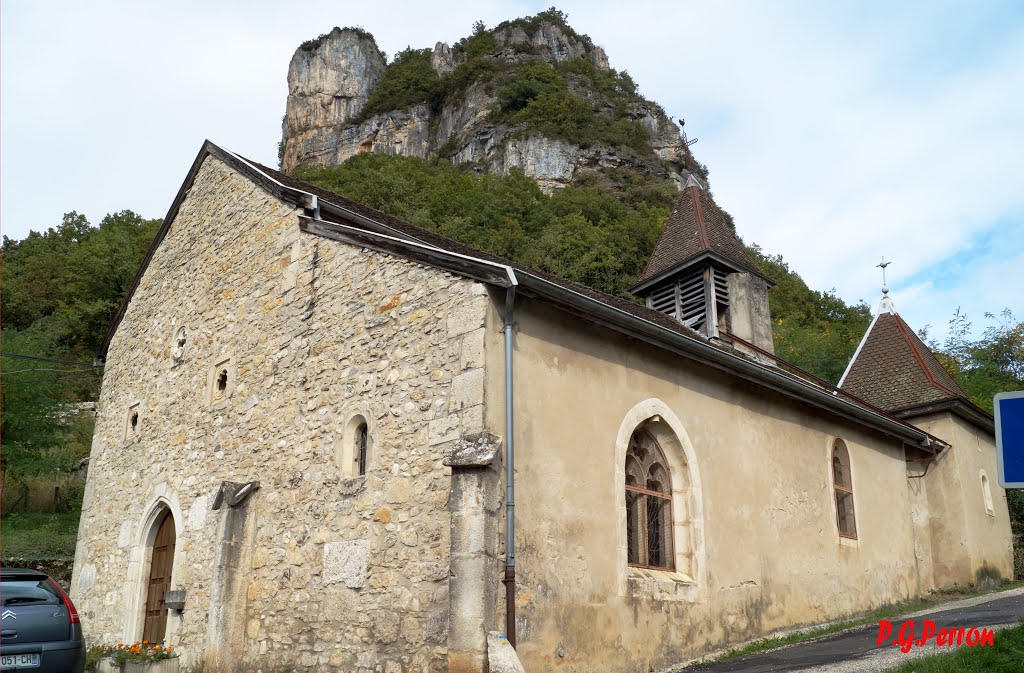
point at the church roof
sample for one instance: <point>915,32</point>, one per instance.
<point>336,217</point>
<point>697,228</point>
<point>895,371</point>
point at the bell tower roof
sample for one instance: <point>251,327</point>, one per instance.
<point>697,230</point>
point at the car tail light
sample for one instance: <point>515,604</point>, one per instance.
<point>72,612</point>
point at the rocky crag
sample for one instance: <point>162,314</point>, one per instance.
<point>530,93</point>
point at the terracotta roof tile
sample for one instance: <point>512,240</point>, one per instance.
<point>894,369</point>
<point>696,226</point>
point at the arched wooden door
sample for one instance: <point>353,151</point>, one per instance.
<point>159,581</point>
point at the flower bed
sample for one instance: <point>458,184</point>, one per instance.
<point>139,657</point>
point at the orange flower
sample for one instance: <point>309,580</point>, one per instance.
<point>120,645</point>
<point>145,642</point>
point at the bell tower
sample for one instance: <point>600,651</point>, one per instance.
<point>700,274</point>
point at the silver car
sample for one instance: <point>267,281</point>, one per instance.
<point>41,629</point>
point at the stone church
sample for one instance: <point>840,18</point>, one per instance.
<point>330,440</point>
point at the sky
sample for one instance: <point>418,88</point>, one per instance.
<point>835,133</point>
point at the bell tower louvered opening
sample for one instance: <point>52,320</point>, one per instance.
<point>698,298</point>
<point>701,275</point>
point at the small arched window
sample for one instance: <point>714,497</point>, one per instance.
<point>648,504</point>
<point>362,440</point>
<point>842,482</point>
<point>986,493</point>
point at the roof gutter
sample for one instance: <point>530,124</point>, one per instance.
<point>708,354</point>
<point>597,311</point>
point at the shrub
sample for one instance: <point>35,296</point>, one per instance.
<point>312,45</point>
<point>530,81</point>
<point>480,43</point>
<point>408,81</point>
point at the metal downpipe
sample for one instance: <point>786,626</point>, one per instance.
<point>510,488</point>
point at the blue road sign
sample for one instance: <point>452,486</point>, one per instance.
<point>1010,438</point>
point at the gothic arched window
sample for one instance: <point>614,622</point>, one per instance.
<point>842,482</point>
<point>648,504</point>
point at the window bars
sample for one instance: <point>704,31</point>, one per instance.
<point>648,505</point>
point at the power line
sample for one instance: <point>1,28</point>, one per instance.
<point>43,369</point>
<point>49,378</point>
<point>58,362</point>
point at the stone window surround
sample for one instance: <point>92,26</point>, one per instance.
<point>131,434</point>
<point>179,340</point>
<point>986,493</point>
<point>687,508</point>
<point>841,540</point>
<point>218,398</point>
<point>346,456</point>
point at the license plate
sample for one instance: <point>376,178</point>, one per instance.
<point>19,660</point>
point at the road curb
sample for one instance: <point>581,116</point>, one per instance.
<point>709,657</point>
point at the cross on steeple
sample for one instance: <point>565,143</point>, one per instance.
<point>885,286</point>
<point>886,305</point>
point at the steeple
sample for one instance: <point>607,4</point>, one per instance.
<point>700,274</point>
<point>893,369</point>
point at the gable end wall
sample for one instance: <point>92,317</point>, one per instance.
<point>315,569</point>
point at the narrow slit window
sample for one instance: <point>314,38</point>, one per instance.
<point>842,482</point>
<point>362,440</point>
<point>986,494</point>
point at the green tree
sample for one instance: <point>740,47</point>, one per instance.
<point>817,331</point>
<point>61,289</point>
<point>41,433</point>
<point>100,272</point>
<point>35,271</point>
<point>990,364</point>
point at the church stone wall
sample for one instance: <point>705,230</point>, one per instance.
<point>759,508</point>
<point>318,569</point>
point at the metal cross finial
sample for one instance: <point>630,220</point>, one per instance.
<point>885,286</point>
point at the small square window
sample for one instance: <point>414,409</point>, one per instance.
<point>221,381</point>
<point>131,422</point>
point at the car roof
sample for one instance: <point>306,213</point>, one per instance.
<point>21,572</point>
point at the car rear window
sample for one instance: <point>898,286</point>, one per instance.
<point>29,592</point>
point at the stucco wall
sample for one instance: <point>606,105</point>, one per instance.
<point>319,569</point>
<point>763,524</point>
<point>969,544</point>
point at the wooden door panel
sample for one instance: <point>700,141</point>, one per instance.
<point>159,581</point>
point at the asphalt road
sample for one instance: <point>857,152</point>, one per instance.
<point>855,650</point>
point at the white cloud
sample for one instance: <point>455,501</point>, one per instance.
<point>834,134</point>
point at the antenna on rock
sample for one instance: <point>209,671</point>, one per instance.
<point>682,132</point>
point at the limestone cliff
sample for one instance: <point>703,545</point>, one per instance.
<point>530,94</point>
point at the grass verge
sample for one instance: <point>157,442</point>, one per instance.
<point>884,612</point>
<point>38,535</point>
<point>1005,656</point>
